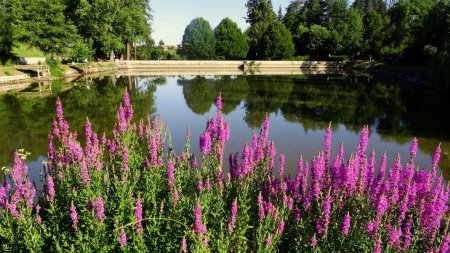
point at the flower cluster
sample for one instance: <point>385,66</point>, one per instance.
<point>129,191</point>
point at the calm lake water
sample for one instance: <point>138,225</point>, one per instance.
<point>300,109</point>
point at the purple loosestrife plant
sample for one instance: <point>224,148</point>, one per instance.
<point>233,217</point>
<point>346,224</point>
<point>100,210</point>
<point>74,216</point>
<point>138,215</point>
<point>404,208</point>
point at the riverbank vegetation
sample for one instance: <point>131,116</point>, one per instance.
<point>132,192</point>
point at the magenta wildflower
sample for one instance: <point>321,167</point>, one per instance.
<point>122,238</point>
<point>233,217</point>
<point>269,240</point>
<point>183,247</point>
<point>38,218</point>
<point>313,241</point>
<point>265,131</point>
<point>394,236</point>
<point>205,143</point>
<point>85,174</point>
<point>297,214</point>
<point>413,148</point>
<point>199,227</point>
<point>50,188</point>
<point>125,159</point>
<point>436,157</point>
<point>99,206</point>
<point>219,103</point>
<point>282,159</point>
<point>170,173</point>
<point>377,247</point>
<point>74,216</point>
<point>444,248</point>
<point>280,228</point>
<point>260,202</point>
<point>200,185</point>
<point>327,145</point>
<point>346,224</point>
<point>175,197</point>
<point>138,215</point>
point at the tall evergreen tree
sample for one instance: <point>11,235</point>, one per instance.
<point>293,18</point>
<point>260,15</point>
<point>6,34</point>
<point>314,11</point>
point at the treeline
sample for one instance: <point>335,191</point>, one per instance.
<point>410,31</point>
<point>82,29</point>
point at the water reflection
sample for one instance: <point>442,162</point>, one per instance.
<point>300,108</point>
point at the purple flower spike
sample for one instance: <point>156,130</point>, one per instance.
<point>74,216</point>
<point>444,245</point>
<point>327,145</point>
<point>170,173</point>
<point>50,188</point>
<point>233,218</point>
<point>313,241</point>
<point>282,159</point>
<point>99,205</point>
<point>346,224</point>
<point>436,157</point>
<point>219,103</point>
<point>183,247</point>
<point>122,238</point>
<point>413,148</point>
<point>377,247</point>
<point>199,227</point>
<point>138,215</point>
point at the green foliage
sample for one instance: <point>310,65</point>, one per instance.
<point>44,26</point>
<point>81,51</point>
<point>55,68</point>
<point>259,11</point>
<point>231,43</point>
<point>277,42</point>
<point>318,37</point>
<point>6,35</point>
<point>292,18</point>
<point>198,40</point>
<point>374,24</point>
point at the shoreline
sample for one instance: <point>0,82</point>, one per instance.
<point>184,67</point>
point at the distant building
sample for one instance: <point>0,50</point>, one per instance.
<point>166,47</point>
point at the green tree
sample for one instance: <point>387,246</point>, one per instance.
<point>292,18</point>
<point>43,25</point>
<point>260,15</point>
<point>353,38</point>
<point>259,11</point>
<point>374,24</point>
<point>6,34</point>
<point>198,40</point>
<point>314,12</point>
<point>277,42</point>
<point>231,43</point>
<point>111,25</point>
<point>318,38</point>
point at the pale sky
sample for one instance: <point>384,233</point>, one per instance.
<point>170,17</point>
